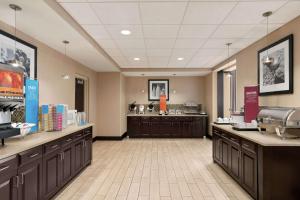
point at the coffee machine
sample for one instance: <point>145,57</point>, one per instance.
<point>11,97</point>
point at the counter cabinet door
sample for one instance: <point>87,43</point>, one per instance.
<point>225,154</point>
<point>8,186</point>
<point>249,172</point>
<point>78,155</point>
<point>67,166</point>
<point>30,187</point>
<point>133,126</point>
<point>217,148</point>
<point>88,150</point>
<point>52,173</point>
<point>235,161</point>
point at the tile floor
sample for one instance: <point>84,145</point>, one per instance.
<point>142,169</point>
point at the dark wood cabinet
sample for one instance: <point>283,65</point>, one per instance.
<point>8,178</point>
<point>39,173</point>
<point>78,155</point>
<point>87,150</point>
<point>30,185</point>
<point>238,158</point>
<point>52,173</point>
<point>167,126</point>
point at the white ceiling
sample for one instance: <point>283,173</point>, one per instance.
<point>163,30</point>
<point>41,22</point>
<point>166,74</point>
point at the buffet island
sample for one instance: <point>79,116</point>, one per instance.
<point>266,166</point>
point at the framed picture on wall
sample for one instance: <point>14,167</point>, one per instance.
<point>157,88</point>
<point>25,53</point>
<point>276,77</point>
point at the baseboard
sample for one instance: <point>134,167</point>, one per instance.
<point>110,137</point>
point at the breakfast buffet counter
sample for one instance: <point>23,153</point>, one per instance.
<point>19,144</point>
<point>266,139</point>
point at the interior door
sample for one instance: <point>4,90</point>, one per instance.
<point>79,94</point>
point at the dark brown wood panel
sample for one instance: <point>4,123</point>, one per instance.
<point>167,126</point>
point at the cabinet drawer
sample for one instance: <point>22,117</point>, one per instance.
<point>88,131</point>
<point>249,146</point>
<point>235,140</point>
<point>52,146</point>
<point>8,164</point>
<point>67,140</point>
<point>78,135</point>
<point>30,155</point>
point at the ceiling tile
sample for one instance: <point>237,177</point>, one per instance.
<point>140,63</point>
<point>162,12</point>
<point>96,31</point>
<point>106,44</point>
<point>121,61</point>
<point>218,43</point>
<point>199,62</point>
<point>160,43</point>
<point>207,12</point>
<point>159,52</point>
<point>117,13</point>
<point>114,52</point>
<point>232,31</point>
<point>160,31</point>
<point>211,52</point>
<point>259,31</point>
<point>185,53</point>
<point>158,61</point>
<point>251,12</point>
<point>115,31</point>
<point>189,43</point>
<point>134,52</point>
<point>81,12</point>
<point>286,13</point>
<point>130,43</point>
<point>196,31</point>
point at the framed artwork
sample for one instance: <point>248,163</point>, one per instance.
<point>25,53</point>
<point>277,77</point>
<point>157,88</point>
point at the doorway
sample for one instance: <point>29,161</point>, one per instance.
<point>81,94</point>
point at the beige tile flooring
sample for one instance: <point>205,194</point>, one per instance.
<point>142,169</point>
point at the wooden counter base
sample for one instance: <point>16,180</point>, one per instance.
<point>167,126</point>
<point>265,172</point>
<point>40,172</point>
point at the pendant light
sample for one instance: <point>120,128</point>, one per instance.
<point>65,76</point>
<point>15,62</point>
<point>269,60</point>
<point>228,54</point>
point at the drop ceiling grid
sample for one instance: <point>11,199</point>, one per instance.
<point>148,40</point>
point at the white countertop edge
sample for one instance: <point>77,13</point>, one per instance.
<point>261,139</point>
<point>14,146</point>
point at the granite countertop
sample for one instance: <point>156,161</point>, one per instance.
<point>157,115</point>
<point>17,145</point>
<point>267,139</point>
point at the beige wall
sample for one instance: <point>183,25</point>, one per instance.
<point>50,66</point>
<point>187,89</point>
<point>123,104</point>
<point>109,94</point>
<point>247,69</point>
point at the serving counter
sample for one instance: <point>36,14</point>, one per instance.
<point>39,165</point>
<point>167,126</point>
<point>266,166</point>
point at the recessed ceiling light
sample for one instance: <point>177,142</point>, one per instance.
<point>136,59</point>
<point>125,32</point>
<point>180,58</point>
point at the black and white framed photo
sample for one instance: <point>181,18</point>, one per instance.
<point>157,88</point>
<point>25,53</point>
<point>276,77</point>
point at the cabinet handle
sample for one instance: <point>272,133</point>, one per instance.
<point>54,146</point>
<point>18,181</point>
<point>246,145</point>
<point>69,140</point>
<point>34,155</point>
<point>4,168</point>
<point>22,179</point>
<point>233,139</point>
